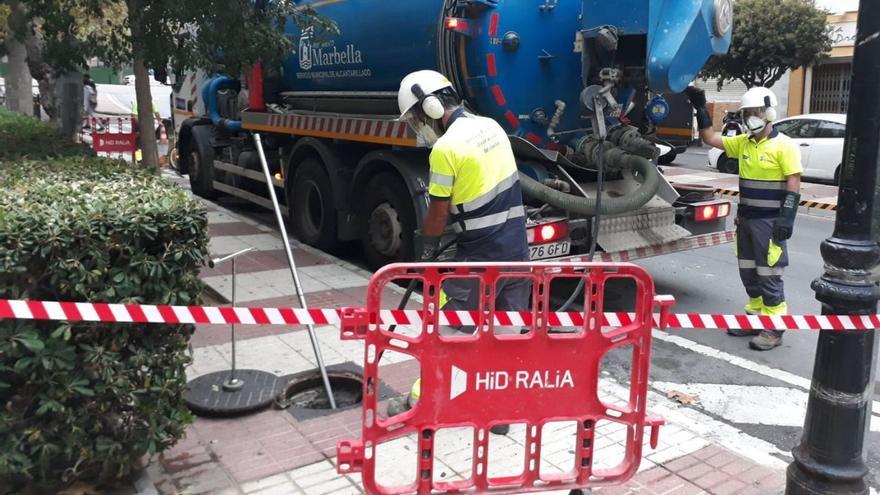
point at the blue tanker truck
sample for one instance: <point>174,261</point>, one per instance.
<point>577,84</point>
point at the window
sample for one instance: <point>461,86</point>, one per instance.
<point>831,130</point>
<point>799,128</point>
<point>784,127</point>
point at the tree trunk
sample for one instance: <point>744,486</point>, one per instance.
<point>148,144</point>
<point>19,97</point>
<point>39,69</point>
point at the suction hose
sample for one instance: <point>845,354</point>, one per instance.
<point>615,158</point>
<point>209,96</point>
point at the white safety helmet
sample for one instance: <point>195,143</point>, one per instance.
<point>758,108</point>
<point>417,90</point>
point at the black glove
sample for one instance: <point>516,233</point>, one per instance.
<point>426,246</point>
<point>783,227</point>
<point>697,98</point>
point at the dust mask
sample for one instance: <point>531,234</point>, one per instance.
<point>427,135</point>
<point>755,124</point>
<point>754,120</point>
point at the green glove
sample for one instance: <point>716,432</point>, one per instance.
<point>426,247</point>
<point>697,98</point>
<point>783,227</point>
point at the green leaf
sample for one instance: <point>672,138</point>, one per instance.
<point>30,340</point>
<point>85,391</point>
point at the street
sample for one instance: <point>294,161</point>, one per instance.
<point>762,394</point>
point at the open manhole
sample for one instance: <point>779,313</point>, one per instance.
<point>306,391</point>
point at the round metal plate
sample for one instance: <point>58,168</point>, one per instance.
<point>206,396</point>
<point>723,20</point>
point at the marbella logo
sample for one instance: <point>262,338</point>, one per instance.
<point>311,55</point>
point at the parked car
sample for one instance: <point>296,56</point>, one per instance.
<point>819,136</point>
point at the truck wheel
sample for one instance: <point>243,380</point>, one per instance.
<point>201,162</point>
<point>388,221</point>
<point>314,214</point>
<point>727,165</point>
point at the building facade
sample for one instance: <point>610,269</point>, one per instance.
<point>824,88</point>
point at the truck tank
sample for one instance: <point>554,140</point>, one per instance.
<point>533,65</point>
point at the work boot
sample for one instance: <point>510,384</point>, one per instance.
<point>398,405</point>
<point>754,307</point>
<point>765,341</point>
<point>500,429</point>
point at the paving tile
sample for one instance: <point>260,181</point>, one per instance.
<point>319,478</point>
<point>695,471</point>
<point>340,483</point>
<point>271,481</point>
<point>729,487</point>
<point>682,463</point>
<point>232,229</point>
<point>217,217</point>
<point>209,479</point>
<point>736,467</point>
<point>710,479</point>
<point>317,467</point>
<point>286,489</point>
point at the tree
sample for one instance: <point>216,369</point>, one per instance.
<point>770,38</point>
<point>163,34</point>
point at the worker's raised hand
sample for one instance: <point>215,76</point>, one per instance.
<point>696,96</point>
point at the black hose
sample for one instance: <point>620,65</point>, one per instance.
<point>412,283</point>
<point>594,230</point>
<point>611,206</point>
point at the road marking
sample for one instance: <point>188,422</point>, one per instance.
<point>785,376</point>
<point>752,404</point>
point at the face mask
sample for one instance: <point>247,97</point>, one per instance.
<point>427,134</point>
<point>755,124</point>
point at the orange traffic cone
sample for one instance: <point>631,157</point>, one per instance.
<point>163,136</point>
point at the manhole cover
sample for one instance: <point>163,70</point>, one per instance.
<point>307,391</point>
<point>207,396</point>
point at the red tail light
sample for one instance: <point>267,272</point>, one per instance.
<point>705,213</point>
<point>548,232</point>
<point>457,24</point>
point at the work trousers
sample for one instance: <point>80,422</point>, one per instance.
<point>463,294</point>
<point>753,236</point>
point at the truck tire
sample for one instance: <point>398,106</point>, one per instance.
<point>727,165</point>
<point>201,163</point>
<point>313,214</point>
<point>388,221</point>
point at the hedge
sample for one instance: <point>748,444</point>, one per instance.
<point>23,137</point>
<point>86,401</point>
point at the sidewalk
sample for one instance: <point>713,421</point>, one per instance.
<point>293,451</point>
<point>820,193</point>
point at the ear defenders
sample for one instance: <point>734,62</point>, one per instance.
<point>769,111</point>
<point>429,103</point>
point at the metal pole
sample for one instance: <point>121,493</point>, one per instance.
<point>299,292</point>
<point>831,458</point>
<point>232,383</point>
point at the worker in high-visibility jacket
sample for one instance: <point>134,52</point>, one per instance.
<point>769,187</point>
<point>474,187</point>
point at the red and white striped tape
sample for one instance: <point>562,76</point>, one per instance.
<point>145,313</point>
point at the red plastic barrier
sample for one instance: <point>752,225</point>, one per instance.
<point>489,378</point>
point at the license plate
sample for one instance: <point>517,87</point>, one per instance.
<point>542,251</point>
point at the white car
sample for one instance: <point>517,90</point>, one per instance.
<point>819,136</point>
